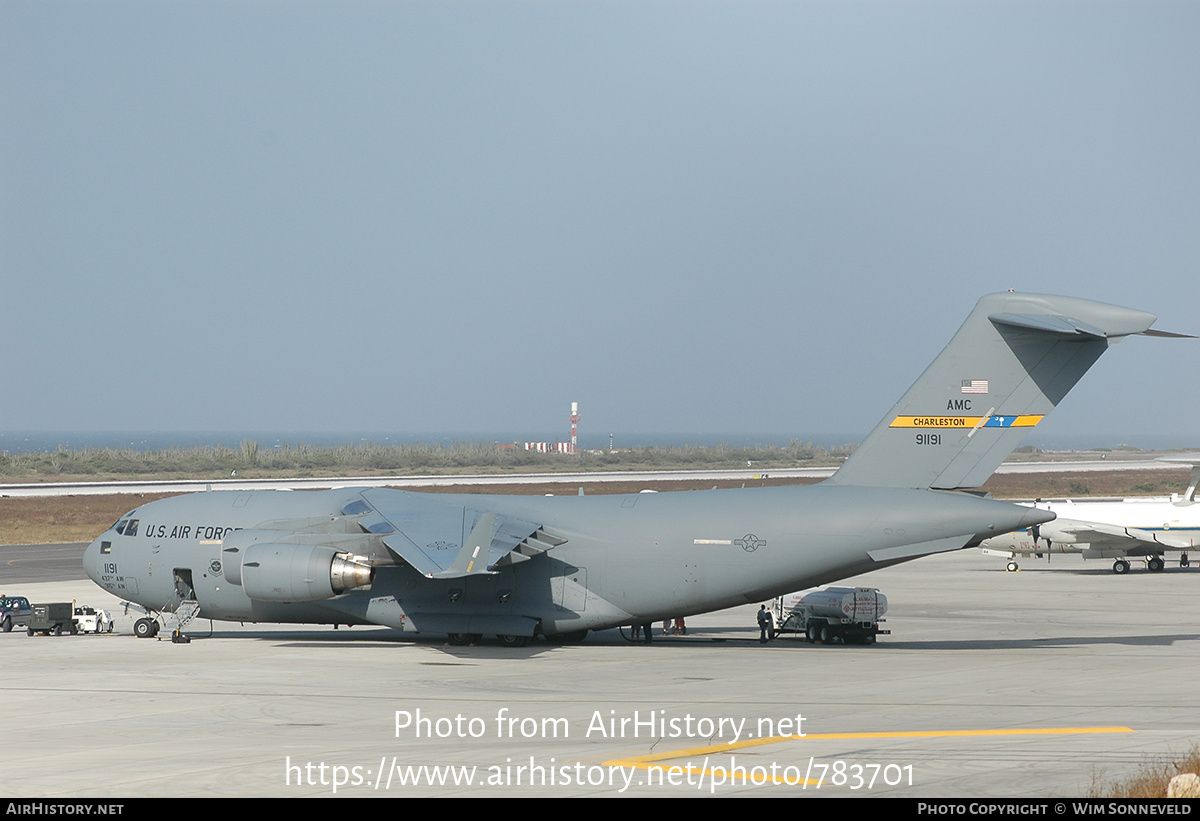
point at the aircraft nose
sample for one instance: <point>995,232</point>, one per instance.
<point>1036,517</point>
<point>91,561</point>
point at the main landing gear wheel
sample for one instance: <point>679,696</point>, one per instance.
<point>514,641</point>
<point>144,628</point>
<point>463,639</point>
<point>1155,564</point>
<point>1120,567</point>
<point>1183,560</point>
<point>1012,567</point>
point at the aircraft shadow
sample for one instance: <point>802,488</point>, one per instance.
<point>487,648</point>
<point>1104,570</point>
<point>1165,640</point>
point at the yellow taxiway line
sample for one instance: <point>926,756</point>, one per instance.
<point>649,761</point>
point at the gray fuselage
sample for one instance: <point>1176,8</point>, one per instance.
<point>626,558</point>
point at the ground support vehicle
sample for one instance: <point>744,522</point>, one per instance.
<point>52,618</point>
<point>14,612</point>
<point>839,615</point>
<point>91,620</point>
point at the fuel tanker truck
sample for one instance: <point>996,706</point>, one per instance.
<point>846,615</point>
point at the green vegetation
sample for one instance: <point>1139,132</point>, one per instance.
<point>214,462</point>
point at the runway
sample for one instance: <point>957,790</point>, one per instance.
<point>22,563</point>
<point>992,684</point>
<point>191,485</point>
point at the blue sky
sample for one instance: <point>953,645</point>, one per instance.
<point>709,217</point>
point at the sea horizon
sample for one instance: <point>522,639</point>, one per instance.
<point>25,441</point>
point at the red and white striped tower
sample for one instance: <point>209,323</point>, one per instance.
<point>574,421</point>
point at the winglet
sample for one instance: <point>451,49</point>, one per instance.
<point>1193,459</point>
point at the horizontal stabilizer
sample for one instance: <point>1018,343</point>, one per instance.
<point>1167,334</point>
<point>1052,324</point>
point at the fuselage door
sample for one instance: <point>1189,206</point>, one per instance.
<point>184,588</point>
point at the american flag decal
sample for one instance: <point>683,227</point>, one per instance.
<point>974,386</point>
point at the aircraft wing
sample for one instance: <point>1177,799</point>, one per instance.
<point>1164,538</point>
<point>445,541</point>
<point>1100,535</point>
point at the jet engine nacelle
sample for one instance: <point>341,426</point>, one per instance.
<point>298,573</point>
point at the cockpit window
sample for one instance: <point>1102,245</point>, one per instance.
<point>127,526</point>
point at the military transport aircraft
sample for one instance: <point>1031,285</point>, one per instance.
<point>521,566</point>
<point>1121,529</point>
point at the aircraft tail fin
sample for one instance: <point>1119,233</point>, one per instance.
<point>1009,365</point>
